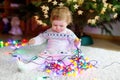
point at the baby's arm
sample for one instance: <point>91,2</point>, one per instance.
<point>74,40</point>
<point>37,40</point>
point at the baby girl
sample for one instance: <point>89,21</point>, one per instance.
<point>61,41</point>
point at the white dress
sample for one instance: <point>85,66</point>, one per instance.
<point>57,42</point>
<point>60,46</point>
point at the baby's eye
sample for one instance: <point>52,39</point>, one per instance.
<point>54,25</point>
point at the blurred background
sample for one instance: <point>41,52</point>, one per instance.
<point>96,22</point>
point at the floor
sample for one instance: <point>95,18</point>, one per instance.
<point>105,44</point>
<point>98,43</point>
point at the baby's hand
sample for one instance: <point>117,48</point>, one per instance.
<point>31,42</point>
<point>77,42</point>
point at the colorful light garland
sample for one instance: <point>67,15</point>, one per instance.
<point>58,67</point>
<point>13,43</point>
<point>78,63</point>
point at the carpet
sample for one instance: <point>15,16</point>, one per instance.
<point>107,68</point>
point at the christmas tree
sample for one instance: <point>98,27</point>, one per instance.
<point>84,12</point>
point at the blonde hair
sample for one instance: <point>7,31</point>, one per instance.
<point>61,13</point>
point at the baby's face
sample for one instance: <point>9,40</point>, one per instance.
<point>59,25</point>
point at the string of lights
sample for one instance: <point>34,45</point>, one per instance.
<point>78,63</point>
<point>13,43</point>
